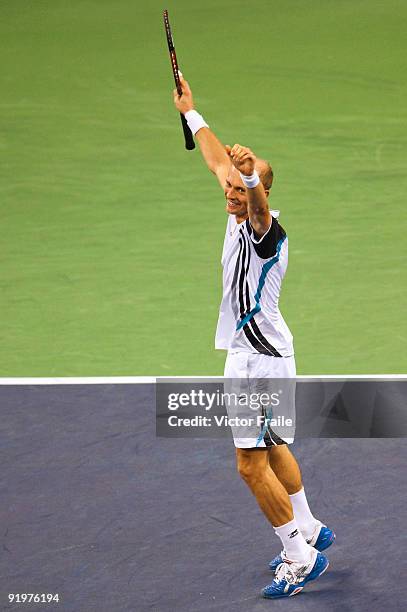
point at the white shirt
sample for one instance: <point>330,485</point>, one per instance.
<point>253,270</point>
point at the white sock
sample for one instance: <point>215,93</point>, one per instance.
<point>305,519</point>
<point>294,544</point>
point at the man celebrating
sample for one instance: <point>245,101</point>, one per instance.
<point>259,344</point>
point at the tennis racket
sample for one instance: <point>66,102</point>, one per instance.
<point>189,139</point>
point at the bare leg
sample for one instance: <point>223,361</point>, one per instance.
<point>272,497</point>
<point>285,467</point>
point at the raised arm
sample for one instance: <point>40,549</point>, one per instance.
<point>245,161</point>
<point>212,149</point>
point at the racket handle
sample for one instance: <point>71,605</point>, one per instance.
<point>189,139</point>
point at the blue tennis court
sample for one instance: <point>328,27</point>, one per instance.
<point>99,510</point>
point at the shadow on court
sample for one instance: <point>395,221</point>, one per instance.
<point>97,509</point>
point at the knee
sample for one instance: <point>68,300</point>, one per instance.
<point>243,467</point>
<point>250,471</point>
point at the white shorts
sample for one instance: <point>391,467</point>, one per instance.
<point>269,382</point>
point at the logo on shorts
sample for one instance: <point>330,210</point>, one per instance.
<point>293,533</point>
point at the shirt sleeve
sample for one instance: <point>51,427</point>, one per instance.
<point>266,245</point>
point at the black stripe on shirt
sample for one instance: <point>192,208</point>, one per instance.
<point>255,342</point>
<point>242,276</point>
<point>247,291</point>
<point>262,339</point>
<point>234,281</point>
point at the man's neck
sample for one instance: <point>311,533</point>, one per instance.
<point>241,219</point>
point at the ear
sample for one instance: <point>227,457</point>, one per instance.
<point>267,191</point>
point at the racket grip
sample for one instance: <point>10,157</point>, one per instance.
<point>189,139</point>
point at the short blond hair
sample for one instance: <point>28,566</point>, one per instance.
<point>265,173</point>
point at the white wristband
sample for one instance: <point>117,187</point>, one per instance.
<point>250,181</point>
<point>195,121</point>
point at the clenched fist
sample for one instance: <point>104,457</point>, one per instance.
<point>242,158</point>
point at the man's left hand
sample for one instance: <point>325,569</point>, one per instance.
<point>242,158</point>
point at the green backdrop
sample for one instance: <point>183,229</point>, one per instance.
<point>112,232</point>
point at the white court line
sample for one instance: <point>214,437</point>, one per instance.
<point>139,380</point>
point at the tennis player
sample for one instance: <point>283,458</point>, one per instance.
<point>259,347</point>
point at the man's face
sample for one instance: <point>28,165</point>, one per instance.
<point>235,194</point>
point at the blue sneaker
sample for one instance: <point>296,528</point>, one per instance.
<point>323,538</point>
<point>291,577</point>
